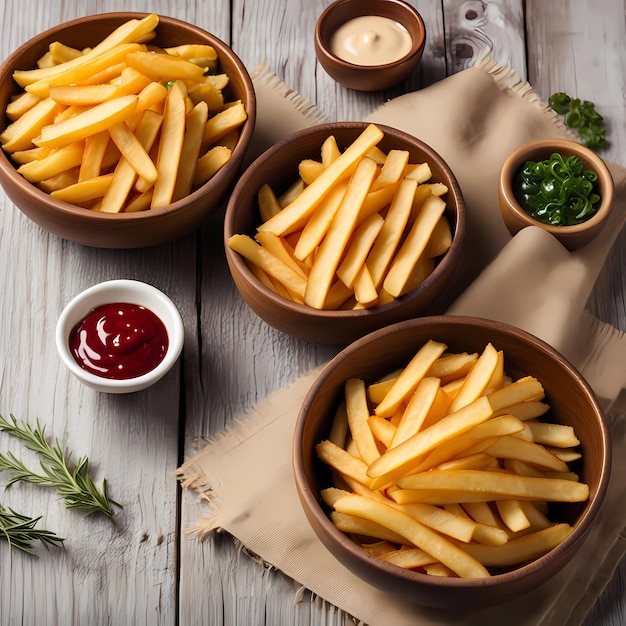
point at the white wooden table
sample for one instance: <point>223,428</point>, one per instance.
<point>145,570</point>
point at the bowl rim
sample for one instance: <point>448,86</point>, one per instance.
<point>417,47</point>
<point>453,252</point>
<point>519,156</point>
<point>356,553</point>
<point>135,292</point>
<point>64,208</point>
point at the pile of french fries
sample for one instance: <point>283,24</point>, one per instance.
<point>447,466</point>
<point>123,126</point>
<point>356,228</point>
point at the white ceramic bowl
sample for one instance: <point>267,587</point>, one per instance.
<point>108,292</point>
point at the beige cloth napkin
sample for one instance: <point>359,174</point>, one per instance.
<point>474,119</point>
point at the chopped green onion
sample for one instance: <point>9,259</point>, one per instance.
<point>558,191</point>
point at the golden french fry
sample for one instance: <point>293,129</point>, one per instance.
<point>378,390</point>
<point>170,147</point>
<point>416,410</point>
<point>414,245</point>
<point>410,377</point>
<point>447,486</point>
<point>256,254</point>
<point>279,248</point>
<point>451,366</point>
<point>356,254</point>
<point>125,175</point>
<point>479,460</point>
<point>342,461</point>
<point>420,172</point>
<point>268,202</point>
<point>84,190</point>
<point>330,150</point>
<point>441,238</point>
<point>132,150</point>
<point>356,525</point>
<point>317,226</point>
<point>203,55</point>
<point>390,235</point>
<point>516,448</point>
<point>521,549</point>
<point>210,163</point>
<point>95,150</point>
<point>140,202</point>
<point>526,410</point>
<point>513,515</point>
<point>222,123</point>
<point>32,154</point>
<point>94,120</point>
<point>194,123</point>
<point>83,94</point>
<point>382,429</point>
<point>477,379</point>
<point>60,53</point>
<point>159,66</point>
<point>56,162</point>
<point>376,548</point>
<point>409,559</point>
<point>20,134</point>
<point>205,92</point>
<point>358,414</point>
<point>333,245</point>
<point>527,388</point>
<point>309,170</point>
<point>20,104</point>
<point>393,169</point>
<point>339,427</point>
<point>556,435</point>
<point>365,292</point>
<point>60,180</point>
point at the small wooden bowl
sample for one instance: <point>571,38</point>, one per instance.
<point>278,167</point>
<point>362,77</point>
<point>124,230</point>
<point>516,218</point>
<point>572,402</point>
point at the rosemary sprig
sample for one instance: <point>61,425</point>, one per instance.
<point>20,532</point>
<point>74,485</point>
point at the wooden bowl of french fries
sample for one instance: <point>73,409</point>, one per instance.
<point>123,130</point>
<point>455,461</point>
<point>344,228</point>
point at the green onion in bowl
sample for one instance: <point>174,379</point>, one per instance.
<point>558,191</point>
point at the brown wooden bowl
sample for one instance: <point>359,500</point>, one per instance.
<point>572,402</point>
<point>362,77</point>
<point>278,167</point>
<point>125,230</point>
<point>513,213</point>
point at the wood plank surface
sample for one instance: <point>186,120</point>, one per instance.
<point>146,569</point>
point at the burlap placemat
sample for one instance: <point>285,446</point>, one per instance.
<point>474,119</point>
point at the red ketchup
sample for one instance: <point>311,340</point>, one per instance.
<point>119,341</point>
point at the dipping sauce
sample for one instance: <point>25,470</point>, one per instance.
<point>371,40</point>
<point>119,341</point>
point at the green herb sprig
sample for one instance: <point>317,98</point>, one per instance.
<point>20,532</point>
<point>559,191</point>
<point>74,484</point>
<point>580,115</point>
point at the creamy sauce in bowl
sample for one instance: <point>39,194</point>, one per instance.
<point>371,40</point>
